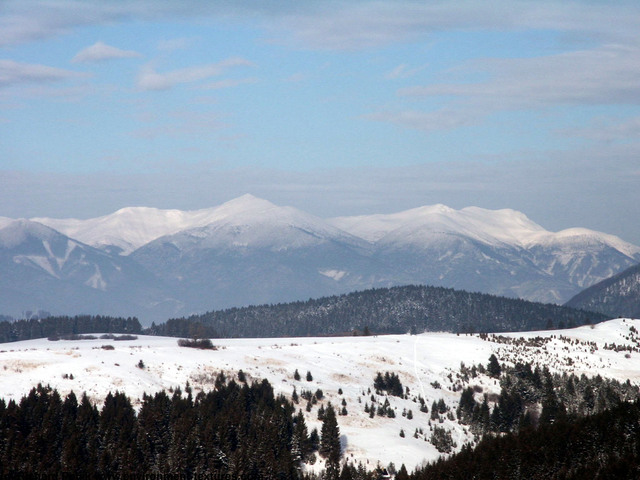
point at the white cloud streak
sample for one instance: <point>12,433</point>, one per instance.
<point>333,25</point>
<point>444,119</point>
<point>604,75</point>
<point>100,51</point>
<point>403,71</point>
<point>150,79</point>
<point>17,73</point>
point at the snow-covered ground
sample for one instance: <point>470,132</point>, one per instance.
<point>425,363</point>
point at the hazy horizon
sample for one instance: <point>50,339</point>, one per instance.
<point>336,108</point>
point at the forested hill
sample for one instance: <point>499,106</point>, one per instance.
<point>618,295</point>
<point>383,310</point>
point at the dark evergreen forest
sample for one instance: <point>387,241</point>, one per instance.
<point>56,327</point>
<point>602,446</point>
<point>235,431</point>
<point>384,311</point>
<point>380,311</point>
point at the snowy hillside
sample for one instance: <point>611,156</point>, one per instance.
<point>428,364</point>
<point>40,268</point>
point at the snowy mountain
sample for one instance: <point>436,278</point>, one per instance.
<point>129,228</point>
<point>256,252</point>
<point>618,295</point>
<point>250,251</point>
<point>434,367</point>
<point>495,251</point>
<point>44,269</point>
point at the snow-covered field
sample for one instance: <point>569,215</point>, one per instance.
<point>425,363</point>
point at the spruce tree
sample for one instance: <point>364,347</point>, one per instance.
<point>493,368</point>
<point>330,442</point>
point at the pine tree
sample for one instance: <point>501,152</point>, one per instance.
<point>493,368</point>
<point>330,442</point>
<point>402,473</point>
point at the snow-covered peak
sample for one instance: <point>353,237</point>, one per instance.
<point>505,227</point>
<point>244,203</point>
<point>132,227</point>
<point>248,221</point>
<point>488,226</point>
<point>4,221</point>
<point>588,238</point>
<point>15,232</point>
<point>128,228</point>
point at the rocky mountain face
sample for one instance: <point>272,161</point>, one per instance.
<point>616,296</point>
<point>158,264</point>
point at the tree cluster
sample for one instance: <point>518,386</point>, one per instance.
<point>601,446</point>
<point>533,396</point>
<point>390,383</point>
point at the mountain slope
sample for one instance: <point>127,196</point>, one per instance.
<point>256,252</point>
<point>618,295</point>
<point>42,268</point>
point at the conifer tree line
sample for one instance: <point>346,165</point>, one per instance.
<point>597,447</point>
<point>53,327</point>
<point>236,430</point>
<point>531,397</point>
<point>383,310</point>
<point>395,310</point>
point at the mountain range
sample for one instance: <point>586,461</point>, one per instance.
<point>156,263</point>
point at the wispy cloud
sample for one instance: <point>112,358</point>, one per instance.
<point>100,51</point>
<point>444,119</point>
<point>607,130</point>
<point>150,79</point>
<point>403,71</point>
<point>603,75</point>
<point>229,83</point>
<point>17,73</point>
<point>358,25</point>
<point>333,25</point>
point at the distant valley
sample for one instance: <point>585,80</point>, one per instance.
<point>158,264</point>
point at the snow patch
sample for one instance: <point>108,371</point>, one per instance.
<point>96,281</point>
<point>37,260</point>
<point>337,275</point>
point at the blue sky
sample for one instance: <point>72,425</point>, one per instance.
<point>333,107</point>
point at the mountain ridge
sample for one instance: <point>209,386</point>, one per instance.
<point>251,251</point>
<point>617,295</point>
